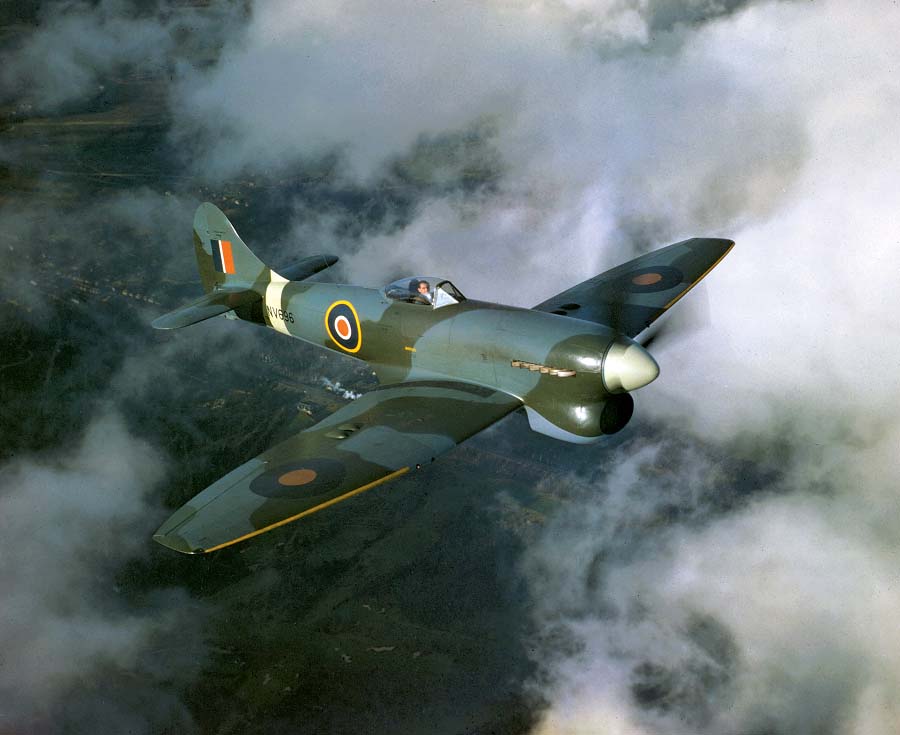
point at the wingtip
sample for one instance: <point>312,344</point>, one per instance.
<point>167,534</point>
<point>161,322</point>
<point>724,242</point>
<point>720,245</point>
<point>176,543</point>
<point>726,247</point>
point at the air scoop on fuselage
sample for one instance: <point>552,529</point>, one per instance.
<point>627,366</point>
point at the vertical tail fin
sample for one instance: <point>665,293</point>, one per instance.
<point>234,279</point>
<point>222,257</point>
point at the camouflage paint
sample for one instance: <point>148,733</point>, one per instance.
<point>446,373</point>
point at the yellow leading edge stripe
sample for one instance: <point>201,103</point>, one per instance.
<point>306,512</point>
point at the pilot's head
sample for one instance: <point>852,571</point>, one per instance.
<point>423,287</point>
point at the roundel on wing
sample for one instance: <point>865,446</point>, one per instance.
<point>342,325</point>
<point>652,278</point>
<point>311,476</point>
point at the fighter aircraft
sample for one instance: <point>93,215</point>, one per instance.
<point>447,368</point>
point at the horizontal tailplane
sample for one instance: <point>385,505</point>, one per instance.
<point>206,307</point>
<point>308,267</point>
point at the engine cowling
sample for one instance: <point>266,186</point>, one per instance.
<point>596,401</point>
<point>585,424</point>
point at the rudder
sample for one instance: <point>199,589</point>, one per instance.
<point>222,257</point>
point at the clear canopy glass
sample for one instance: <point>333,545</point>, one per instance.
<point>425,291</point>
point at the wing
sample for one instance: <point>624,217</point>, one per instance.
<point>376,438</point>
<point>631,296</point>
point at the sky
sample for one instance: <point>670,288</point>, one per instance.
<point>731,568</point>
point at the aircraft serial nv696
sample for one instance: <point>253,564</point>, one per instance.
<point>447,368</point>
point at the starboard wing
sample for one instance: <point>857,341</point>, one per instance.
<point>378,437</point>
<point>631,296</point>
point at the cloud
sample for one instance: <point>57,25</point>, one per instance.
<point>693,595</point>
<point>134,239</point>
<point>311,78</point>
<point>659,607</point>
<point>367,80</point>
<point>599,149</point>
<point>735,577</point>
<point>78,46</point>
<point>69,519</point>
<point>685,598</point>
<point>803,289</point>
<point>724,125</point>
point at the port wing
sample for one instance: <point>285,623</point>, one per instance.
<point>378,437</point>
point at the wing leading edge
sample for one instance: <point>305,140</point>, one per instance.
<point>631,296</point>
<point>377,438</point>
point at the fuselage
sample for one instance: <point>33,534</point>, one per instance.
<point>554,364</point>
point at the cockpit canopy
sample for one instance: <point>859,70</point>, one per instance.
<point>425,291</point>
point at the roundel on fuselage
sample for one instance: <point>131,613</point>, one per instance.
<point>342,325</point>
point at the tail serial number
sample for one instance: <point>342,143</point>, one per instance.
<point>285,316</point>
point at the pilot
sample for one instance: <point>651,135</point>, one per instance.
<point>423,292</point>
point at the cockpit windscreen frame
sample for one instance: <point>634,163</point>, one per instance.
<point>424,291</point>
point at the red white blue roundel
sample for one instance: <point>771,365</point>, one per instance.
<point>342,325</point>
